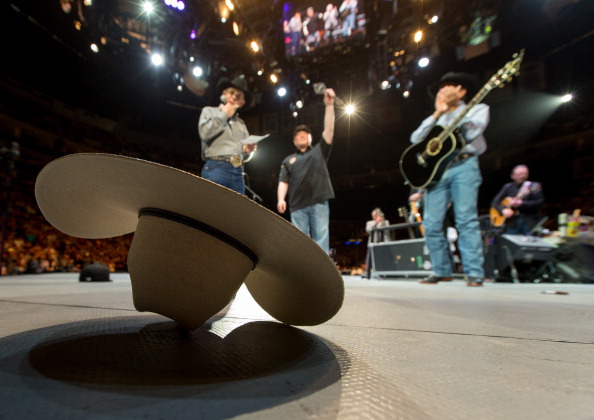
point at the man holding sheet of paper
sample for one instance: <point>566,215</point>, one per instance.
<point>226,143</point>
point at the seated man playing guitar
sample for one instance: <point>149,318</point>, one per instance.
<point>460,182</point>
<point>518,203</point>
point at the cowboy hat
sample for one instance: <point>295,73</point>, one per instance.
<point>466,80</point>
<point>240,83</point>
<point>195,242</point>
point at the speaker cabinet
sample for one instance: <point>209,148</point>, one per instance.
<point>409,257</point>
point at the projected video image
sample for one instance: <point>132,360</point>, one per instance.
<point>312,24</point>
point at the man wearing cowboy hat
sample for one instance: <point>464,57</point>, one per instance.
<point>304,175</point>
<point>460,182</point>
<point>221,132</point>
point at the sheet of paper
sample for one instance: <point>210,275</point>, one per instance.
<point>254,139</point>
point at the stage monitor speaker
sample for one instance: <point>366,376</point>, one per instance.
<point>521,258</point>
<point>408,257</point>
<point>94,272</point>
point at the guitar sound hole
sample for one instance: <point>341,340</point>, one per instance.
<point>433,147</point>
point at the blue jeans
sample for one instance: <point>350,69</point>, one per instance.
<point>459,186</point>
<point>225,174</point>
<point>313,221</point>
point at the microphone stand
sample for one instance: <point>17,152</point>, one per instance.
<point>255,196</point>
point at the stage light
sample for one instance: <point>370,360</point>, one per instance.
<point>193,34</point>
<point>418,36</point>
<point>229,4</point>
<point>385,85</point>
<point>148,7</point>
<point>281,92</point>
<point>349,109</point>
<point>423,62</point>
<point>406,94</point>
<point>88,2</point>
<point>181,5</point>
<point>77,25</point>
<point>94,48</point>
<point>295,114</point>
<point>235,28</point>
<point>179,88</point>
<point>566,98</point>
<point>299,104</point>
<point>434,19</point>
<point>157,59</point>
<point>254,46</point>
<point>273,78</point>
<point>197,71</point>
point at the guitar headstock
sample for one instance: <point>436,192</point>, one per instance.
<point>507,72</point>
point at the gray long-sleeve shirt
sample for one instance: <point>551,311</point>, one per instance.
<point>219,134</point>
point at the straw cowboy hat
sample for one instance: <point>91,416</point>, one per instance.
<point>195,242</point>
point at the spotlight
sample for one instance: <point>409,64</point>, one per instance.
<point>418,36</point>
<point>179,88</point>
<point>157,59</point>
<point>148,7</point>
<point>385,85</point>
<point>254,46</point>
<point>434,19</point>
<point>349,109</point>
<point>423,62</point>
<point>94,48</point>
<point>235,28</point>
<point>260,72</point>
<point>273,78</point>
<point>566,98</point>
<point>295,114</point>
<point>406,94</point>
<point>281,92</point>
<point>197,71</point>
<point>299,104</point>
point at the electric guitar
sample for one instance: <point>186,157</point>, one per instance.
<point>497,218</point>
<point>423,164</point>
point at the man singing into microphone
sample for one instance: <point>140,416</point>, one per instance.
<point>221,132</point>
<point>304,175</point>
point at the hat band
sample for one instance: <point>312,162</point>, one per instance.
<point>174,217</point>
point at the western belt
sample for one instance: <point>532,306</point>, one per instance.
<point>234,160</point>
<point>463,156</point>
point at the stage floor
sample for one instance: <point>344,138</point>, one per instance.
<point>396,350</point>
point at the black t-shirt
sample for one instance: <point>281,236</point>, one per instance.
<point>307,176</point>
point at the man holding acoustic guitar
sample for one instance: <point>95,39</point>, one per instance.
<point>518,203</point>
<point>459,183</point>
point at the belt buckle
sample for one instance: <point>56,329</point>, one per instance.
<point>235,161</point>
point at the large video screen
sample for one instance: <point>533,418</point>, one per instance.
<point>309,25</point>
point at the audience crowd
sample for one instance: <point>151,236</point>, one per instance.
<point>32,246</point>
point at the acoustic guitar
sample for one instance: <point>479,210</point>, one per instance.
<point>423,164</point>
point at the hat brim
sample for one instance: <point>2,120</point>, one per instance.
<point>95,195</point>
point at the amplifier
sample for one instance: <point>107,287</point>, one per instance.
<point>409,257</point>
<point>524,248</point>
